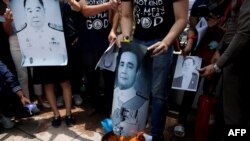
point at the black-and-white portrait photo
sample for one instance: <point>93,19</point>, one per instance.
<point>186,74</point>
<point>39,29</point>
<point>130,103</point>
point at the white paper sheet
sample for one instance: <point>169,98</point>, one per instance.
<point>201,28</point>
<point>108,59</point>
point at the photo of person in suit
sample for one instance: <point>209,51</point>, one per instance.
<point>188,79</point>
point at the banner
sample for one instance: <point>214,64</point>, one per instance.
<point>39,29</point>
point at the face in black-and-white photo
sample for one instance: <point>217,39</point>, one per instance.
<point>127,70</point>
<point>35,13</point>
<point>130,98</point>
<point>40,35</point>
<point>188,66</point>
<point>186,75</point>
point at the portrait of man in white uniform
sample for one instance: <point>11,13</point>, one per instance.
<point>42,42</point>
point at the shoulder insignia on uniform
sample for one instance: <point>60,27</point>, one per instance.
<point>56,26</point>
<point>21,27</point>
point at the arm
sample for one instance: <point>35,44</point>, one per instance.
<point>126,21</point>
<point>239,44</point>
<point>11,82</point>
<point>115,21</point>
<point>191,36</point>
<point>91,10</point>
<point>75,6</point>
<point>126,18</point>
<point>23,97</point>
<point>181,14</point>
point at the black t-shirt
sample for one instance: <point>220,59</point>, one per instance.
<point>94,30</point>
<point>153,18</point>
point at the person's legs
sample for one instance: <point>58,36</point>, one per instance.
<point>186,105</point>
<point>49,91</point>
<point>75,75</point>
<point>5,121</point>
<point>231,97</point>
<point>109,80</point>
<point>187,101</point>
<point>93,76</point>
<point>38,91</point>
<point>67,96</point>
<point>160,81</point>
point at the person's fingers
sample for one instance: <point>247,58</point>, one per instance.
<point>161,49</point>
<point>113,4</point>
<point>119,40</point>
<point>201,71</point>
<point>158,53</point>
<point>157,49</point>
<point>8,14</point>
<point>112,39</point>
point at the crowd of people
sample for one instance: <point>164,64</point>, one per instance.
<point>90,26</point>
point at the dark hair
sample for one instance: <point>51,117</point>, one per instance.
<point>135,49</point>
<point>186,58</point>
<point>41,2</point>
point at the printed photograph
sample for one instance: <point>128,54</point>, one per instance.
<point>186,74</point>
<point>39,29</point>
<point>131,96</point>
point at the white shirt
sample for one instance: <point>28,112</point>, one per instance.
<point>186,81</point>
<point>44,47</point>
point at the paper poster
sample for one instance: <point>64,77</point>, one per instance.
<point>108,59</point>
<point>132,90</point>
<point>39,29</point>
<point>201,29</point>
<point>186,74</point>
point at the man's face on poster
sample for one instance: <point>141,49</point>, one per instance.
<point>127,70</point>
<point>188,66</point>
<point>35,13</point>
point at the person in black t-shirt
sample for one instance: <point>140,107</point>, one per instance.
<point>96,30</point>
<point>157,25</point>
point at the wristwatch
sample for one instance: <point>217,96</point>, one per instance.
<point>216,68</point>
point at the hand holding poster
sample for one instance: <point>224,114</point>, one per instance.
<point>38,25</point>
